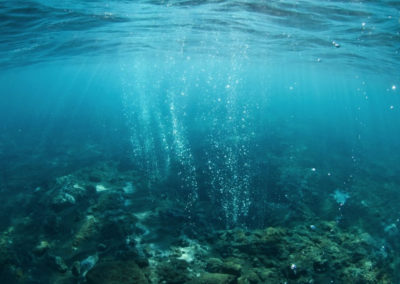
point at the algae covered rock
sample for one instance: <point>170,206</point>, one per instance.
<point>87,229</point>
<point>116,272</point>
<point>267,275</point>
<point>214,264</point>
<point>173,271</point>
<point>231,266</point>
<point>214,278</point>
<point>249,277</point>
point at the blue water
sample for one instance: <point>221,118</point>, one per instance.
<point>254,107</point>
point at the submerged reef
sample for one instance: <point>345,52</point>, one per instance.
<point>101,224</point>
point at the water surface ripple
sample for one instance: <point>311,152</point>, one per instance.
<point>367,32</point>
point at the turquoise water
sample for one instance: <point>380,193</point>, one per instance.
<point>236,114</point>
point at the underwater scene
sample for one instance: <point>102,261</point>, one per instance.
<point>199,141</point>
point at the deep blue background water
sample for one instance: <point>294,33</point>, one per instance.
<point>234,102</point>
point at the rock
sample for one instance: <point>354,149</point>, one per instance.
<point>213,278</point>
<point>77,191</point>
<point>391,230</point>
<point>249,277</point>
<point>239,236</point>
<point>58,263</point>
<point>62,201</point>
<point>101,188</point>
<point>267,275</point>
<point>41,248</point>
<point>87,229</point>
<point>76,269</point>
<point>87,264</point>
<point>273,234</point>
<point>214,265</point>
<point>116,272</point>
<point>231,267</point>
<point>174,271</point>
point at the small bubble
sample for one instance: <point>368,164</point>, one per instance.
<point>394,87</point>
<point>363,24</point>
<point>391,107</point>
<point>313,169</point>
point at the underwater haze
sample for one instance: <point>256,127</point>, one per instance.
<point>200,141</point>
